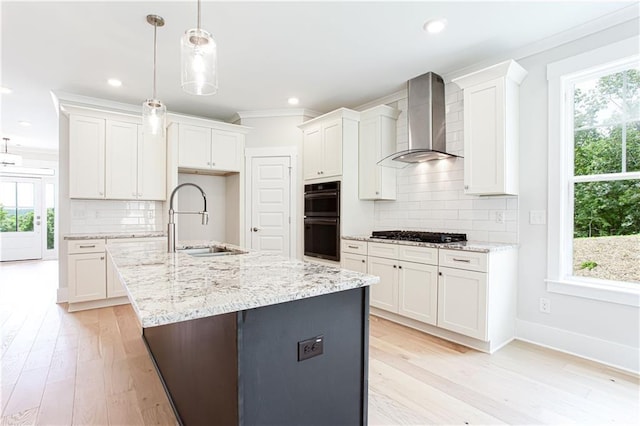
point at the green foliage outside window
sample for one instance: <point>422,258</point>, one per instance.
<point>605,116</point>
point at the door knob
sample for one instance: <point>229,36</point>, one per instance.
<point>255,229</point>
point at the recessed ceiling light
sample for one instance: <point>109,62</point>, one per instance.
<point>114,82</point>
<point>5,90</point>
<point>434,26</point>
<point>293,101</point>
<point>24,123</point>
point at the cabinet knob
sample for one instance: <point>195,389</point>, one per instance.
<point>213,164</point>
<point>395,266</point>
<point>318,172</point>
<point>321,172</point>
<point>377,193</point>
<point>364,261</point>
<point>399,267</point>
<point>101,257</point>
<point>440,273</point>
<point>466,187</point>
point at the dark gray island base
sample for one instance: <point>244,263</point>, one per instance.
<point>242,368</point>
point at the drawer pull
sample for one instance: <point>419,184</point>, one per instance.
<point>353,247</point>
<point>90,246</point>
<point>462,260</point>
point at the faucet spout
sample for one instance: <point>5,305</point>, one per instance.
<point>171,228</point>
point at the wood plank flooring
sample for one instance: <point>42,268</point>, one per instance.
<point>91,367</point>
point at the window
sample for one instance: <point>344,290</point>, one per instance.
<point>594,174</point>
<point>604,183</point>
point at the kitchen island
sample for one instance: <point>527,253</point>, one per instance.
<point>250,337</point>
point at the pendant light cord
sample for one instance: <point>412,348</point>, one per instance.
<point>155,48</point>
<point>198,16</point>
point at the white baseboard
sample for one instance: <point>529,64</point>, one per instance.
<point>613,354</point>
<point>62,295</point>
<point>94,304</point>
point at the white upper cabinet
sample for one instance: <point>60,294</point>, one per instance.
<point>110,159</point>
<point>205,148</point>
<point>86,157</point>
<point>325,138</point>
<point>491,129</point>
<point>377,141</point>
<point>121,160</point>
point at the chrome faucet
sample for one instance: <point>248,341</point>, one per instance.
<point>171,228</point>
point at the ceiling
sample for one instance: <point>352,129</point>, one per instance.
<point>328,54</point>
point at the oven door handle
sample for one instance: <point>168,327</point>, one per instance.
<point>325,221</point>
<point>327,194</point>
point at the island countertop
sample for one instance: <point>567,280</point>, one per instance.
<point>166,288</point>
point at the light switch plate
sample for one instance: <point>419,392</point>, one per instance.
<point>538,217</point>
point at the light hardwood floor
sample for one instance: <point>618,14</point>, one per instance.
<point>91,367</point>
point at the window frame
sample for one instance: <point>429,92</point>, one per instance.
<point>561,76</point>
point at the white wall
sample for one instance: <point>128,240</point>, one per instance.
<point>600,330</point>
<point>431,194</point>
<point>189,226</point>
<point>280,131</point>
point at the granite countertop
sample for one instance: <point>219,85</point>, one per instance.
<point>477,246</point>
<point>115,235</point>
<point>166,288</point>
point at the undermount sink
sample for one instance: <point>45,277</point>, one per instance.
<point>210,251</point>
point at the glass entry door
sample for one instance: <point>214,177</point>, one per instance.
<point>20,218</point>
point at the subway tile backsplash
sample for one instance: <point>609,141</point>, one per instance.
<point>431,194</point>
<point>88,216</point>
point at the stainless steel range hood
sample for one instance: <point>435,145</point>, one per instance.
<point>426,123</point>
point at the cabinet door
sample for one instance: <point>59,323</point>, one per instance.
<point>462,302</point>
<point>331,164</point>
<point>87,277</point>
<point>226,150</point>
<point>121,160</point>
<point>354,262</point>
<point>384,295</point>
<point>114,286</point>
<point>484,130</point>
<point>86,157</point>
<point>194,147</point>
<point>368,152</point>
<point>312,153</point>
<point>152,167</point>
<point>418,291</point>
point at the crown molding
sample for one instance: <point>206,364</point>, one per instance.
<point>271,113</point>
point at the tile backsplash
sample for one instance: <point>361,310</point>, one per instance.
<point>88,216</point>
<point>431,194</point>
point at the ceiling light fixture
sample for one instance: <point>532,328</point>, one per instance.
<point>7,159</point>
<point>24,123</point>
<point>153,110</point>
<point>114,82</point>
<point>5,90</point>
<point>199,61</point>
<point>293,101</point>
<point>434,26</point>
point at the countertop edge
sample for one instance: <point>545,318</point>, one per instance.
<point>114,235</point>
<point>475,246</point>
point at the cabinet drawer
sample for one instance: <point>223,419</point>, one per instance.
<point>85,246</point>
<point>355,247</point>
<point>383,250</point>
<point>468,260</point>
<point>428,255</point>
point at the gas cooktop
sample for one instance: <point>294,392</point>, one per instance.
<point>419,236</point>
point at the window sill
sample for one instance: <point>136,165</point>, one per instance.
<point>605,291</point>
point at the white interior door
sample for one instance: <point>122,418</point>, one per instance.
<point>271,204</point>
<point>21,218</point>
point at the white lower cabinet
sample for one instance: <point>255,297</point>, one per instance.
<point>461,295</point>
<point>462,302</point>
<point>114,286</point>
<point>354,262</point>
<point>86,263</point>
<point>406,287</point>
<point>418,291</point>
<point>384,295</point>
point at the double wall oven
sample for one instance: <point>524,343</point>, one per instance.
<point>322,220</point>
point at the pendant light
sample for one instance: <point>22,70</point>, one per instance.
<point>7,159</point>
<point>199,61</point>
<point>154,111</point>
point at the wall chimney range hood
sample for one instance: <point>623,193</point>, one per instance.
<point>426,123</point>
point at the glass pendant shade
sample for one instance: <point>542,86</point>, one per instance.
<point>154,113</point>
<point>199,62</point>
